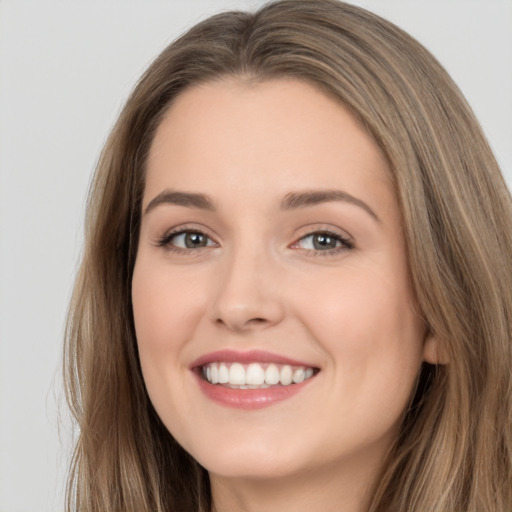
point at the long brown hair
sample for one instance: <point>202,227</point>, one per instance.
<point>454,452</point>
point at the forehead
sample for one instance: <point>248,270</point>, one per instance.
<point>266,136</point>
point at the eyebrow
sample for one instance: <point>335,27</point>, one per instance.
<point>295,200</point>
<point>291,201</point>
<point>187,199</point>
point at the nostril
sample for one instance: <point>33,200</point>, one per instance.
<point>254,322</point>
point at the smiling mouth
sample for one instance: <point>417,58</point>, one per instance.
<point>235,375</point>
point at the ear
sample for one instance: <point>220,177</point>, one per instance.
<point>434,352</point>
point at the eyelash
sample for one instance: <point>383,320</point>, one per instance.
<point>166,240</point>
<point>344,242</point>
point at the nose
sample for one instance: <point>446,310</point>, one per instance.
<point>248,295</point>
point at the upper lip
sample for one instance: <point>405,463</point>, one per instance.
<point>251,356</point>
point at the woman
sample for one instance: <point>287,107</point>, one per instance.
<point>295,290</point>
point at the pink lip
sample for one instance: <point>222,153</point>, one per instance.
<point>249,398</point>
<point>246,398</point>
<point>251,356</point>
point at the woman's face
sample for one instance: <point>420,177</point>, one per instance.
<point>272,258</point>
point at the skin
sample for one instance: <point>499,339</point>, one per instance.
<point>259,283</point>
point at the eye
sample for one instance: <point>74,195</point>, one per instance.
<point>189,240</point>
<point>323,241</point>
<point>185,240</point>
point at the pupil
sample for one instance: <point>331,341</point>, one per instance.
<point>324,242</point>
<point>195,240</point>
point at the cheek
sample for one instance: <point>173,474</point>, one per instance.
<point>166,312</point>
<point>370,330</point>
<point>165,315</point>
<point>359,304</point>
<point>165,309</point>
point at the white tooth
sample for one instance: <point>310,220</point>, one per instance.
<point>208,373</point>
<point>237,375</point>
<point>298,375</point>
<point>286,376</point>
<point>255,374</point>
<point>214,373</point>
<point>223,374</point>
<point>272,374</point>
<point>308,373</point>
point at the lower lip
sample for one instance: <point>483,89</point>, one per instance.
<point>249,398</point>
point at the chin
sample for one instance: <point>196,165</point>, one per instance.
<point>255,460</point>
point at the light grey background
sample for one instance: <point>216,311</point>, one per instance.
<point>65,70</point>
